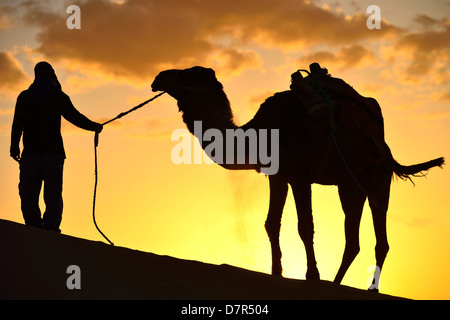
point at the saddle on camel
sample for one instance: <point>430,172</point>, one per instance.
<point>323,94</point>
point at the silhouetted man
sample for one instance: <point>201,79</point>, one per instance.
<point>38,116</point>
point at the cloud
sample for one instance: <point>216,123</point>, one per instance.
<point>426,52</point>
<point>5,23</point>
<point>129,40</point>
<point>426,22</point>
<point>442,96</point>
<point>135,39</point>
<point>288,23</point>
<point>12,77</point>
<point>231,60</point>
<point>347,57</point>
<point>6,20</point>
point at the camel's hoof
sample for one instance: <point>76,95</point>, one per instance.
<point>277,272</point>
<point>374,290</point>
<point>312,274</point>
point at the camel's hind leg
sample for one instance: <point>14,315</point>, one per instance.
<point>278,194</point>
<point>352,200</point>
<point>379,202</point>
<point>302,196</point>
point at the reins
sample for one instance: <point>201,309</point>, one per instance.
<point>96,137</point>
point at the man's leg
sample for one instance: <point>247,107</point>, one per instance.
<point>53,180</point>
<point>30,188</point>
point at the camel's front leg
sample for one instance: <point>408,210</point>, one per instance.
<point>278,194</point>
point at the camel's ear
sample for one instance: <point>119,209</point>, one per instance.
<point>211,74</point>
<point>213,79</point>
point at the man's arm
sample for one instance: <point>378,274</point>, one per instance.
<point>17,128</point>
<point>71,114</point>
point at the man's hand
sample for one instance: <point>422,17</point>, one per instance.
<point>98,128</point>
<point>15,153</point>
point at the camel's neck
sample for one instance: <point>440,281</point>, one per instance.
<point>211,107</point>
<point>208,116</point>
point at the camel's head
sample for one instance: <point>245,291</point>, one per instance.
<point>196,78</point>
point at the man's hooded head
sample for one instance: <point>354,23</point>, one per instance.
<point>44,75</point>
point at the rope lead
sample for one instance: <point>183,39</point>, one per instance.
<point>96,137</point>
<point>95,189</point>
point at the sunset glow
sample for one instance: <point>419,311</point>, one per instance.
<point>201,211</point>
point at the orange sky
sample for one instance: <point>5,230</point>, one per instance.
<point>203,212</point>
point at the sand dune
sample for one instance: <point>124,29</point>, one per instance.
<point>35,263</point>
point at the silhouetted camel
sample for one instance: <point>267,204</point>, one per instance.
<point>306,156</point>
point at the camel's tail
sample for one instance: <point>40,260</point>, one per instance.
<point>416,170</point>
